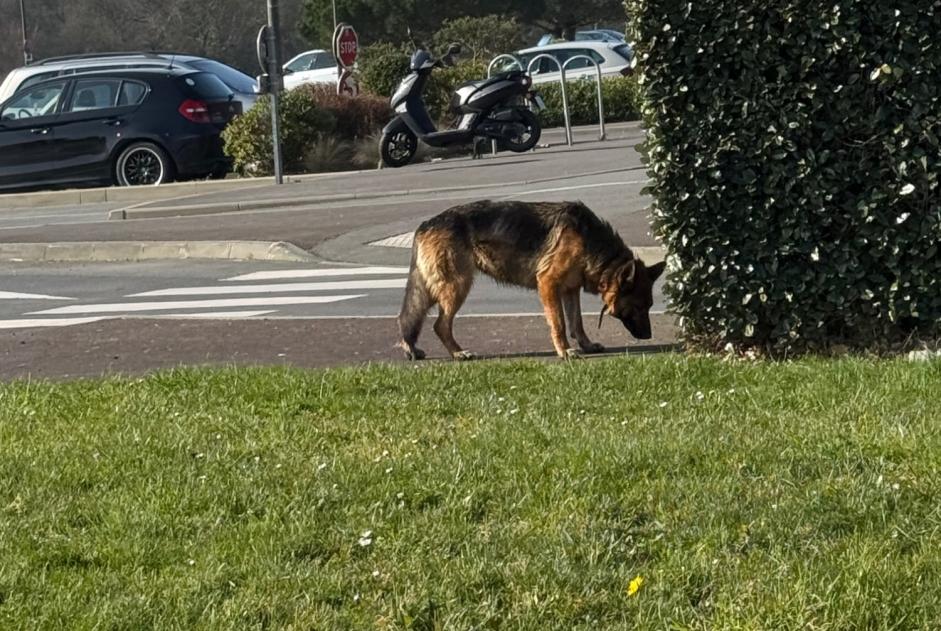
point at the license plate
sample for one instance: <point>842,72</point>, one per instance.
<point>540,104</point>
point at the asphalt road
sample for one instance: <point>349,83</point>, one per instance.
<point>63,320</point>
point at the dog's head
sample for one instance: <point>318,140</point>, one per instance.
<point>627,294</point>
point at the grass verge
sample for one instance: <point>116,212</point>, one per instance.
<point>663,492</point>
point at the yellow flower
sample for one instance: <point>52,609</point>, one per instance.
<point>635,585</point>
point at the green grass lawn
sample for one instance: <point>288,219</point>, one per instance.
<point>483,496</point>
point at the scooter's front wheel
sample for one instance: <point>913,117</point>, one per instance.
<point>525,133</point>
<point>397,148</point>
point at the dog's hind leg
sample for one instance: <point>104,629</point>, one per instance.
<point>573,313</point>
<point>415,307</point>
<point>450,299</point>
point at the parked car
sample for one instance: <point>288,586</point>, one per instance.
<point>614,59</point>
<point>312,66</point>
<point>243,86</point>
<point>128,127</point>
<point>596,35</point>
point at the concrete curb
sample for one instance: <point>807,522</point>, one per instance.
<point>101,251</point>
<point>140,211</point>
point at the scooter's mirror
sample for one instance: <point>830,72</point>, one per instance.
<point>454,49</point>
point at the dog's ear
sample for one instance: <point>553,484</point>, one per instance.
<point>655,271</point>
<point>627,276</point>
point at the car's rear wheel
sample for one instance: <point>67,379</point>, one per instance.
<point>143,164</point>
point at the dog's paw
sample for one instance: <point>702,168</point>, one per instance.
<point>593,347</point>
<point>463,356</point>
<point>572,353</point>
<point>413,354</point>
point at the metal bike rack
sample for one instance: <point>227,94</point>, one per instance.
<point>565,98</point>
<point>504,56</point>
<point>602,134</point>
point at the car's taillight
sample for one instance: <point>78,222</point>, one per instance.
<point>196,111</point>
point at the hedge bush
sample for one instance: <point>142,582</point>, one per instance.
<point>312,117</point>
<point>621,101</point>
<point>248,137</point>
<point>794,152</point>
<point>380,67</point>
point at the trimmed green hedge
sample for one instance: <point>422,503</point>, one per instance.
<point>621,97</point>
<point>795,157</point>
<point>313,118</point>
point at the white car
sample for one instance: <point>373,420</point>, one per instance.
<point>614,59</point>
<point>312,66</point>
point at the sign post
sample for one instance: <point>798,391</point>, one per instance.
<point>345,50</point>
<point>268,48</point>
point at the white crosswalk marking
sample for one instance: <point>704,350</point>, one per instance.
<point>134,307</point>
<point>346,285</point>
<point>274,293</point>
<point>12,295</point>
<point>317,273</point>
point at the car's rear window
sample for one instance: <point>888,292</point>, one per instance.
<point>236,80</point>
<point>624,50</point>
<point>202,85</point>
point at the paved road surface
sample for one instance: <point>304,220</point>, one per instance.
<point>85,319</point>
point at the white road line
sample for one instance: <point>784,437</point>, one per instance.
<point>317,273</point>
<point>48,322</point>
<point>12,295</point>
<point>574,188</point>
<point>133,307</point>
<point>345,285</point>
<point>213,315</point>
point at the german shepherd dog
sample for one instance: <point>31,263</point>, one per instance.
<point>556,248</point>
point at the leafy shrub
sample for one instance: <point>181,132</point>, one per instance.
<point>620,94</point>
<point>248,138</point>
<point>794,151</point>
<point>353,117</point>
<point>317,126</point>
<point>380,67</point>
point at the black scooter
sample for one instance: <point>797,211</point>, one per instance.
<point>497,108</point>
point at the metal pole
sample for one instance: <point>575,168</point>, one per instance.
<point>565,109</point>
<point>334,16</point>
<point>274,73</point>
<point>603,135</point>
<point>27,55</point>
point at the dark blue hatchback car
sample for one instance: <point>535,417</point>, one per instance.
<point>131,127</point>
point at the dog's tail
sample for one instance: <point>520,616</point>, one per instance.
<point>417,301</point>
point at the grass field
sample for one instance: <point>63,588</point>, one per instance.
<point>657,493</point>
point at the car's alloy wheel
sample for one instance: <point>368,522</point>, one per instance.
<point>143,164</point>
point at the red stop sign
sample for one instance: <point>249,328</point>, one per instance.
<point>346,46</point>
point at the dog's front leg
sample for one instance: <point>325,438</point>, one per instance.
<point>573,311</point>
<point>551,296</point>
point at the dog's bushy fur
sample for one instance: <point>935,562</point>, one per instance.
<point>556,248</point>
